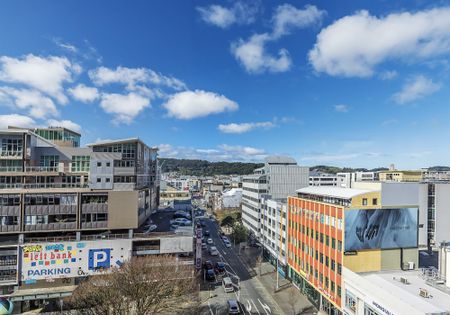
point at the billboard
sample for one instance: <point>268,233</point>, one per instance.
<point>380,228</point>
<point>71,259</point>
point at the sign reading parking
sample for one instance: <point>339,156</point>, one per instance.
<point>99,259</point>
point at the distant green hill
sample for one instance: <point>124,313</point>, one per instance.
<point>205,168</point>
<point>335,169</point>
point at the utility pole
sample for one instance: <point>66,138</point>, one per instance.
<point>278,278</point>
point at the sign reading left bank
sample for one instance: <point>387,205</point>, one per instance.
<point>72,259</point>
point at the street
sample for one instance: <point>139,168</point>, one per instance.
<point>251,295</point>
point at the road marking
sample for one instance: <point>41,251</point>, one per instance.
<point>210,310</point>
<point>248,306</point>
<point>265,307</point>
<point>256,307</point>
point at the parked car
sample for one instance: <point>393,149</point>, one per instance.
<point>210,275</point>
<point>224,238</point>
<point>151,228</point>
<point>219,267</point>
<point>209,241</point>
<point>208,265</point>
<point>213,251</point>
<point>227,244</point>
<point>233,307</point>
<point>182,215</point>
<point>181,220</point>
<point>204,246</point>
<point>206,233</point>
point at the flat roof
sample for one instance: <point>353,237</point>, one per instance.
<point>337,192</point>
<point>109,141</point>
<point>277,159</point>
<point>389,281</point>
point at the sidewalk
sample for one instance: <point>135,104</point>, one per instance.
<point>288,297</point>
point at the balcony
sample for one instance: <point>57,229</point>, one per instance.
<point>42,185</point>
<point>7,155</point>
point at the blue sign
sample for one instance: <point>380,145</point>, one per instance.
<point>99,259</point>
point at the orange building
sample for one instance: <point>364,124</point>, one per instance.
<point>316,241</point>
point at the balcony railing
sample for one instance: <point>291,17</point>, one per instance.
<point>11,169</point>
<point>48,169</point>
<point>11,153</point>
<point>42,186</point>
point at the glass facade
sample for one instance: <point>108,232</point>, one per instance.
<point>49,161</point>
<point>59,135</point>
<point>80,163</point>
<point>128,150</point>
<point>12,147</point>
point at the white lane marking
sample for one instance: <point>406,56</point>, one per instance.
<point>210,310</point>
<point>265,307</point>
<point>256,307</point>
<point>248,306</point>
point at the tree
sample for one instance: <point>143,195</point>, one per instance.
<point>142,286</point>
<point>240,233</point>
<point>228,221</point>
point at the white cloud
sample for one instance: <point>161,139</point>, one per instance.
<point>132,76</point>
<point>64,123</point>
<point>388,75</point>
<point>341,108</point>
<point>355,44</point>
<point>287,17</point>
<point>244,127</point>
<point>84,93</point>
<point>240,13</point>
<point>223,152</point>
<point>415,88</point>
<point>198,103</point>
<point>46,74</point>
<point>252,54</point>
<point>124,107</point>
<point>37,104</point>
<point>253,57</point>
<point>16,121</point>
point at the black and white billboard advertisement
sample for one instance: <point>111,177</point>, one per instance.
<point>380,228</point>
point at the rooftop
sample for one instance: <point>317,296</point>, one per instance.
<point>109,141</point>
<point>389,282</point>
<point>275,159</point>
<point>336,192</point>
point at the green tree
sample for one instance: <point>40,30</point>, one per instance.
<point>240,233</point>
<point>228,221</point>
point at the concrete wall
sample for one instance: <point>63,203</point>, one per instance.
<point>376,260</point>
<point>122,209</point>
<point>390,258</point>
<point>423,215</point>
<point>180,244</point>
<point>442,213</point>
<point>399,194</point>
<point>284,180</point>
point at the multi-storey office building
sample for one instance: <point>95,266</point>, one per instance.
<point>59,204</point>
<point>347,180</point>
<point>279,177</point>
<point>322,179</point>
<point>363,230</point>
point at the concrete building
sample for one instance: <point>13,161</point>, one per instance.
<point>279,178</point>
<point>322,179</point>
<point>435,175</point>
<point>231,199</point>
<point>60,204</point>
<point>364,230</point>
<point>400,176</point>
<point>347,180</point>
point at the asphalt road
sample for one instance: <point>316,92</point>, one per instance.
<point>252,296</point>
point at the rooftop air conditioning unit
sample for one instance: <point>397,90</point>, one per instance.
<point>404,280</point>
<point>423,293</point>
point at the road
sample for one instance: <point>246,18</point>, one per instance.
<point>252,296</point>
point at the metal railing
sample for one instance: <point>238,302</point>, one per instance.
<point>42,185</point>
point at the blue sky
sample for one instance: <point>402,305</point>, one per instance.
<point>354,83</point>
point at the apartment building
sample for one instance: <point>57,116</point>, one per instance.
<point>435,175</point>
<point>322,179</point>
<point>364,230</point>
<point>274,231</point>
<point>62,205</point>
<point>279,177</point>
<point>400,176</point>
<point>347,180</point>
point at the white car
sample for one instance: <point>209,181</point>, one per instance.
<point>181,220</point>
<point>209,241</point>
<point>213,251</point>
<point>227,244</point>
<point>151,228</point>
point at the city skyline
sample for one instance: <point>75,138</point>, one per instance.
<point>362,84</point>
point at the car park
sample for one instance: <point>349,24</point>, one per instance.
<point>181,220</point>
<point>213,251</point>
<point>233,307</point>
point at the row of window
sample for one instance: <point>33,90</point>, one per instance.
<point>128,150</point>
<point>318,237</point>
<point>313,215</point>
<point>56,199</point>
<point>11,147</point>
<point>8,220</point>
<point>49,218</point>
<point>94,217</point>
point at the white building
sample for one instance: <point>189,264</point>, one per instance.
<point>347,180</point>
<point>322,179</point>
<point>273,229</point>
<point>231,198</point>
<point>279,178</point>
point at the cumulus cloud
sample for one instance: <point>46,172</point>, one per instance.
<point>244,127</point>
<point>341,108</point>
<point>84,93</point>
<point>353,45</point>
<point>133,76</point>
<point>223,152</point>
<point>252,54</point>
<point>388,75</point>
<point>415,88</point>
<point>33,101</point>
<point>16,121</point>
<point>287,18</point>
<point>64,123</point>
<point>198,103</point>
<point>124,108</point>
<point>46,74</point>
<point>240,13</point>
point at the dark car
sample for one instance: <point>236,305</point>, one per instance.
<point>210,274</point>
<point>219,267</point>
<point>182,215</point>
<point>206,233</point>
<point>208,265</point>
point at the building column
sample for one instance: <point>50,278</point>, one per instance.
<point>78,236</point>
<point>130,233</point>
<point>21,238</point>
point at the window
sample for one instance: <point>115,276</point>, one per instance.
<point>108,179</point>
<point>333,264</point>
<point>99,164</point>
<point>339,246</point>
<point>80,163</point>
<point>333,243</point>
<point>108,164</point>
<point>364,202</point>
<point>99,180</point>
<point>350,301</point>
<point>374,201</point>
<point>339,290</point>
<point>339,269</point>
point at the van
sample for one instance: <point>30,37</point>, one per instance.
<point>227,284</point>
